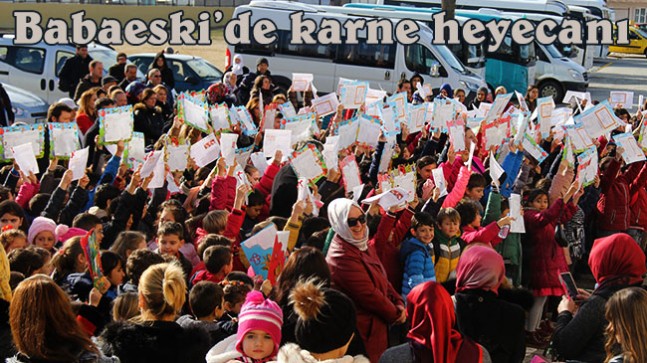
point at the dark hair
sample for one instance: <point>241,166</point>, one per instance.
<point>139,261</point>
<point>26,260</point>
<point>303,263</point>
<point>216,257</point>
<point>13,208</point>
<point>402,82</point>
<point>56,109</point>
<point>317,239</point>
<point>38,203</point>
<point>255,198</point>
<point>212,239</point>
<point>468,210</point>
<point>15,278</point>
<point>312,225</point>
<point>241,277</point>
<point>5,193</point>
<point>64,261</point>
<point>120,55</point>
<point>426,161</point>
<point>534,194</point>
<point>86,221</point>
<point>175,208</point>
<point>204,298</point>
<point>110,261</point>
<point>422,219</point>
<point>235,291</point>
<point>103,102</point>
<point>127,240</point>
<point>476,181</point>
<point>170,228</point>
<point>104,193</point>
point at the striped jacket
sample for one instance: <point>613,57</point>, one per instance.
<point>447,250</point>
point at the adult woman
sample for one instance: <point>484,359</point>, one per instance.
<point>357,271</point>
<point>262,87</point>
<point>167,74</point>
<point>238,68</point>
<point>531,97</point>
<point>432,337</point>
<point>148,117</point>
<point>616,262</point>
<point>481,314</point>
<point>627,316</point>
<point>158,338</point>
<point>162,97</point>
<point>481,96</point>
<point>87,114</point>
<point>45,329</point>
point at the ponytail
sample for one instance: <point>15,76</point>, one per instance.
<point>164,289</point>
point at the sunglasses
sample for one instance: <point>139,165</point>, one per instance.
<point>352,222</point>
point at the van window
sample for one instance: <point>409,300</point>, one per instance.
<point>368,55</point>
<point>61,57</point>
<point>284,46</point>
<point>419,58</point>
<point>255,48</point>
<point>3,53</point>
<point>30,60</point>
<point>633,36</point>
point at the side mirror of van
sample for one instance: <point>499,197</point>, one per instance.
<point>191,80</point>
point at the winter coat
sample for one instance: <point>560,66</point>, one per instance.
<point>390,232</point>
<point>360,275</point>
<point>155,342</point>
<point>149,121</point>
<point>73,70</point>
<point>84,85</point>
<point>216,333</point>
<point>638,208</point>
<point>544,256</point>
<point>418,260</point>
<point>488,234</point>
<point>292,353</point>
<point>403,353</point>
<point>84,357</point>
<point>447,251</point>
<point>613,206</point>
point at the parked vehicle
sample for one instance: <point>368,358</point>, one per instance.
<point>26,107</point>
<point>35,68</point>
<point>191,73</point>
<point>555,7</point>
<point>637,43</point>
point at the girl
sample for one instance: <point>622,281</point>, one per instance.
<point>125,307</point>
<point>542,255</point>
<point>156,337</point>
<point>87,112</point>
<point>11,214</point>
<point>42,233</point>
<point>531,97</point>
<point>13,239</point>
<point>258,336</point>
<point>53,333</point>
<point>68,260</point>
<point>128,242</point>
<point>113,269</point>
<point>30,261</point>
<point>235,293</point>
<point>627,316</point>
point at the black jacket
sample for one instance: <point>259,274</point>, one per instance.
<point>150,122</point>
<point>73,70</point>
<point>155,342</point>
<point>7,116</point>
<point>118,71</point>
<point>85,84</point>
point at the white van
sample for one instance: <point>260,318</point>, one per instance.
<point>555,7</point>
<point>35,68</point>
<point>382,65</point>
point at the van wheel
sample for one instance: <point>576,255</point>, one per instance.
<point>553,89</point>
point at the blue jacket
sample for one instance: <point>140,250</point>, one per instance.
<point>418,260</point>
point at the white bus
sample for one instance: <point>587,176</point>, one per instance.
<point>555,7</point>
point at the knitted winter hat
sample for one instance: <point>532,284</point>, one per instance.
<point>63,232</point>
<point>40,224</point>
<point>327,317</point>
<point>259,313</point>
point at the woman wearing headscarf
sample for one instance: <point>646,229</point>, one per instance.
<point>484,317</point>
<point>445,91</point>
<point>356,270</point>
<point>481,96</point>
<point>432,337</point>
<point>616,262</point>
<point>238,68</point>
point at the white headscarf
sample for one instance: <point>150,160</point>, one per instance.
<point>237,68</point>
<point>338,211</point>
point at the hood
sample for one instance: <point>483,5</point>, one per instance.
<point>224,351</point>
<point>21,97</point>
<point>291,353</point>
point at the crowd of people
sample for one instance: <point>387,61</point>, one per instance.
<point>440,278</point>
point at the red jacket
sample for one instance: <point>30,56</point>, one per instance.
<point>232,231</point>
<point>223,193</point>
<point>546,256</point>
<point>638,208</point>
<point>488,234</point>
<point>360,275</point>
<point>613,206</point>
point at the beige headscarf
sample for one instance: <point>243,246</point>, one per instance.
<point>338,211</point>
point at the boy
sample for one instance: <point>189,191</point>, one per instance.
<point>446,244</point>
<point>255,204</point>
<point>417,253</point>
<point>470,212</point>
<point>205,300</point>
<point>475,187</point>
<point>218,263</point>
<point>170,238</point>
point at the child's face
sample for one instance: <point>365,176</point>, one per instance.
<point>116,276</point>
<point>424,234</point>
<point>170,244</point>
<point>475,193</point>
<point>477,221</point>
<point>254,211</point>
<point>45,239</point>
<point>540,203</point>
<point>425,173</point>
<point>166,216</point>
<point>449,227</point>
<point>98,230</point>
<point>10,219</point>
<point>258,344</point>
<point>254,177</point>
<point>16,243</point>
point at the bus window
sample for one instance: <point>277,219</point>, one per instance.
<point>285,46</point>
<point>368,55</point>
<point>419,58</point>
<point>255,48</point>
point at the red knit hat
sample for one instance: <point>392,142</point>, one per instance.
<point>259,313</point>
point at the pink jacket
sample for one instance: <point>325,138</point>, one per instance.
<point>488,234</point>
<point>458,191</point>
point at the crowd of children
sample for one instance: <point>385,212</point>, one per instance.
<point>455,273</point>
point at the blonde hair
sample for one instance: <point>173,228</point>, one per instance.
<point>125,307</point>
<point>164,290</point>
<point>215,221</point>
<point>627,315</point>
<point>86,105</point>
<point>7,237</point>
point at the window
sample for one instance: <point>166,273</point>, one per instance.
<point>285,46</point>
<point>61,57</point>
<point>640,15</point>
<point>255,48</point>
<point>367,55</point>
<point>29,60</point>
<point>419,58</point>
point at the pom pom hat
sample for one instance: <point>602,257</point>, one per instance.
<point>40,224</point>
<point>259,313</point>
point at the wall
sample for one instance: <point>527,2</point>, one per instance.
<point>98,12</point>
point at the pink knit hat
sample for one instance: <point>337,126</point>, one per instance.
<point>40,224</point>
<point>63,232</point>
<point>259,313</point>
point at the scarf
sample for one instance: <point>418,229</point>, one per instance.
<point>617,259</point>
<point>338,211</point>
<point>480,268</point>
<point>237,68</point>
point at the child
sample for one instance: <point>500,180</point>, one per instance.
<point>206,303</point>
<point>218,263</point>
<point>170,238</point>
<point>13,239</point>
<point>42,233</point>
<point>475,187</point>
<point>235,292</point>
<point>446,244</point>
<point>126,307</point>
<point>30,261</point>
<point>470,212</point>
<point>136,264</point>
<point>417,253</point>
<point>259,332</point>
<point>87,222</point>
<point>255,204</point>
